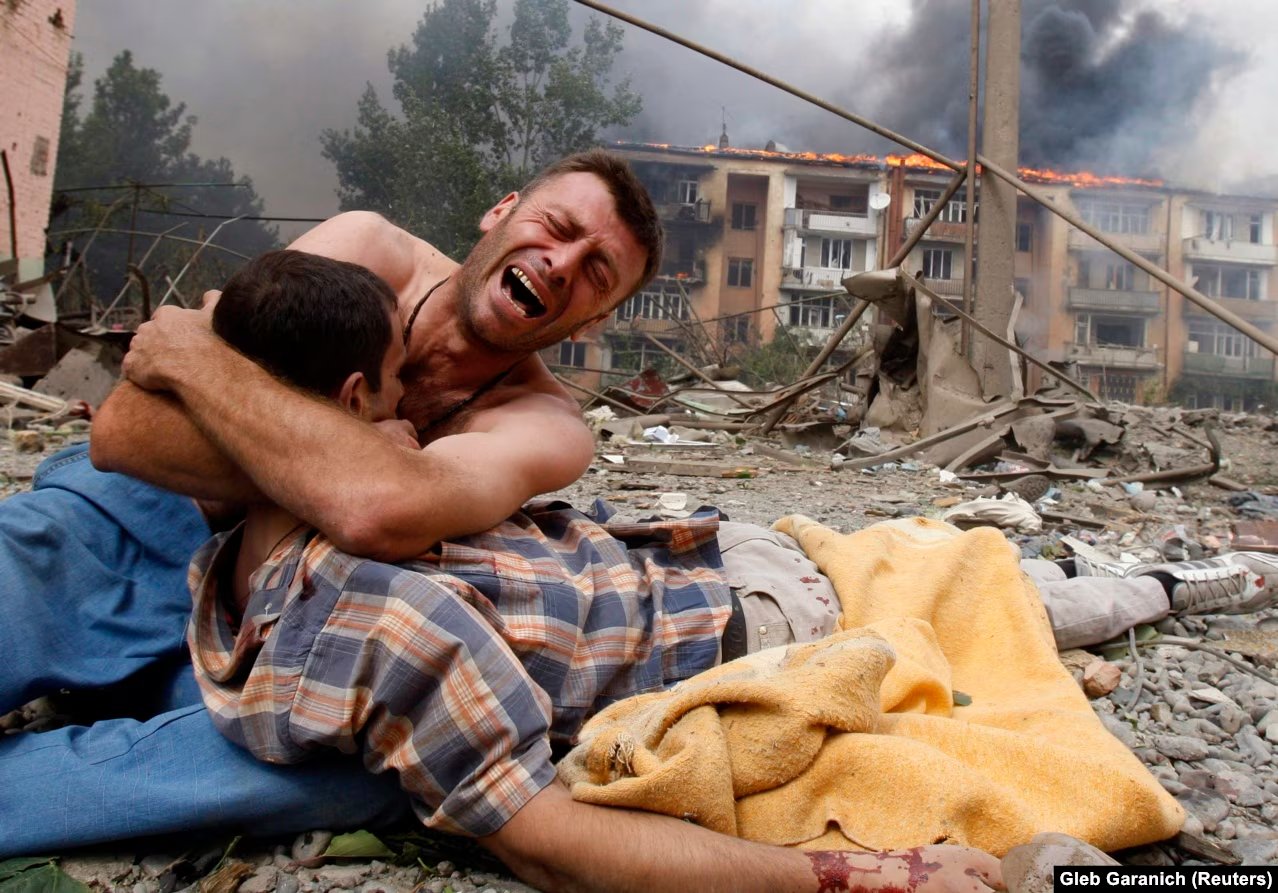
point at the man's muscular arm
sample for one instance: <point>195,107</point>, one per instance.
<point>149,435</point>
<point>557,843</point>
<point>370,496</point>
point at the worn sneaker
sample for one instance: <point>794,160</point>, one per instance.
<point>1085,566</point>
<point>1233,583</point>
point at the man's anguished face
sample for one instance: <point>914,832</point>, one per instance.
<point>548,264</point>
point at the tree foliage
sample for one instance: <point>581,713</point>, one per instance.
<point>476,117</point>
<point>133,133</point>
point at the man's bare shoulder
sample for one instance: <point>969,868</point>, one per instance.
<point>408,264</point>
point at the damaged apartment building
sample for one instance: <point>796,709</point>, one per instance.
<point>761,239</point>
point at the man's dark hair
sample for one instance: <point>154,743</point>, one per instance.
<point>634,204</point>
<point>310,320</point>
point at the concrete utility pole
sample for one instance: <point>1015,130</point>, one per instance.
<point>999,141</point>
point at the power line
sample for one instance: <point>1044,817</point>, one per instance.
<point>154,186</point>
<point>232,216</point>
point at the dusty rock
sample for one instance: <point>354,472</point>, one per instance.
<point>103,870</point>
<point>1029,868</point>
<point>263,880</point>
<point>1100,677</point>
<point>342,877</point>
<point>1180,747</point>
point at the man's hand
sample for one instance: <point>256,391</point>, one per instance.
<point>399,432</point>
<point>160,346</point>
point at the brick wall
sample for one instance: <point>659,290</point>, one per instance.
<point>35,44</point>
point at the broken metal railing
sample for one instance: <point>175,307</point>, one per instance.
<point>995,337</point>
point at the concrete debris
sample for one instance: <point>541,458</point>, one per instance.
<point>83,374</point>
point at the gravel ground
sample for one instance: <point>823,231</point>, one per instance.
<point>1204,721</point>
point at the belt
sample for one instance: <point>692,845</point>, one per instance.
<point>734,634</point>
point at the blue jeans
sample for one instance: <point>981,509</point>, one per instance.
<point>93,595</point>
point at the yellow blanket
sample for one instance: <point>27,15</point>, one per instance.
<point>855,742</point>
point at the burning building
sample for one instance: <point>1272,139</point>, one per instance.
<point>758,239</point>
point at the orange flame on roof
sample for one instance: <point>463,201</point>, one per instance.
<point>915,160</point>
<point>1083,179</point>
<point>922,163</point>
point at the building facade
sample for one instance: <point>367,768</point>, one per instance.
<point>35,47</point>
<point>757,240</point>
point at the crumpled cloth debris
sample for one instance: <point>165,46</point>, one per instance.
<point>1008,511</point>
<point>855,742</point>
<point>1254,505</point>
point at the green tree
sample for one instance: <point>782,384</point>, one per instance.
<point>477,118</point>
<point>133,133</point>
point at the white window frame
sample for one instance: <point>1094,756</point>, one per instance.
<point>938,263</point>
<point>836,254</point>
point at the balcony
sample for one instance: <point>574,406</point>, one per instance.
<point>685,272</point>
<point>1252,311</point>
<point>685,212</point>
<point>1144,243</point>
<point>1236,367</point>
<point>1110,300</point>
<point>1113,356</point>
<point>948,288</point>
<point>1229,251</point>
<point>939,231</point>
<point>844,223</point>
<point>815,278</point>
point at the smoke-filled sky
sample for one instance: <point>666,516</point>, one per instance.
<point>1178,88</point>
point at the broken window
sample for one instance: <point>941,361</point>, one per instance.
<point>857,205</point>
<point>572,354</point>
<point>938,263</point>
<point>653,304</point>
<point>687,192</point>
<point>743,215</point>
<point>741,271</point>
<point>815,314</point>
<point>1120,276</point>
<point>1219,339</point>
<point>836,254</point>
<point>1114,217</point>
<point>1228,281</point>
<point>1113,331</point>
<point>1218,225</point>
<point>924,199</point>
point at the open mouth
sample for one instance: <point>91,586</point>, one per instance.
<point>522,292</point>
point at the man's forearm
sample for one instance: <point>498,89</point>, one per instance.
<point>324,465</point>
<point>559,844</point>
<point>148,435</point>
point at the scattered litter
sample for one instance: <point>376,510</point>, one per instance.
<point>1009,512</point>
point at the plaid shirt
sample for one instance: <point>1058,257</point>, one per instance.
<point>457,669</point>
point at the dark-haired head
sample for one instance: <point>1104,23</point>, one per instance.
<point>313,321</point>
